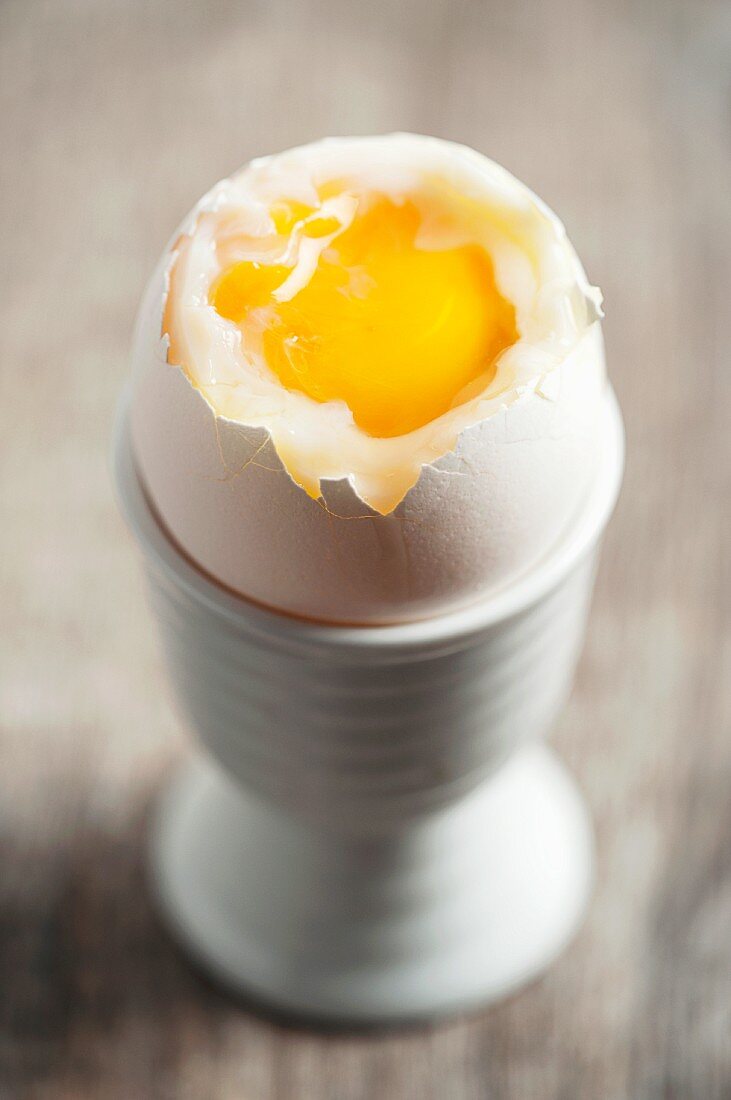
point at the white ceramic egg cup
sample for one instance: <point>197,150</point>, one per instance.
<point>379,836</point>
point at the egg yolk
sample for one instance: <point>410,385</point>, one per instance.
<point>395,331</point>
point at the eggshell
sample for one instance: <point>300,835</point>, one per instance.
<point>475,519</point>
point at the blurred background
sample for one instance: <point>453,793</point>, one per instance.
<point>114,118</point>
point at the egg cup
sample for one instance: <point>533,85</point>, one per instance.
<point>377,835</point>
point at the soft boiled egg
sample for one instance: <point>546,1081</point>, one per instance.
<point>369,377</point>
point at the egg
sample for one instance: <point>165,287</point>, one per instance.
<point>368,380</point>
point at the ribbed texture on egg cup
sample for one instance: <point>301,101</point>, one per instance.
<point>377,834</point>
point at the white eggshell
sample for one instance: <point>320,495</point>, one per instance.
<point>474,520</point>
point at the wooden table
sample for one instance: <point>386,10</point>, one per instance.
<point>114,117</point>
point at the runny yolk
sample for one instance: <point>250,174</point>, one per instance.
<point>395,331</point>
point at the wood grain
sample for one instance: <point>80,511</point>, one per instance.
<point>113,118</point>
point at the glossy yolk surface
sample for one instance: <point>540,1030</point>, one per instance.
<point>393,330</point>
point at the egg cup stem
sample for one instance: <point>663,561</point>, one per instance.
<point>378,837</point>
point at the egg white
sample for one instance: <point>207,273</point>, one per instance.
<point>535,268</point>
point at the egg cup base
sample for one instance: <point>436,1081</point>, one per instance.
<point>442,917</point>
